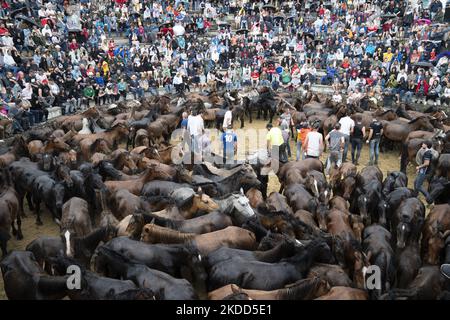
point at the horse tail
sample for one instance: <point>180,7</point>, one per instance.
<point>404,158</point>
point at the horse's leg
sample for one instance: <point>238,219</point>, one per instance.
<point>249,112</point>
<point>3,243</point>
<point>30,201</point>
<point>37,210</point>
<point>19,227</point>
<point>13,227</point>
<point>242,120</point>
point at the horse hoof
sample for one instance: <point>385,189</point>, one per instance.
<point>39,223</point>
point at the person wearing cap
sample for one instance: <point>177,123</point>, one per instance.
<point>314,142</point>
<point>229,141</point>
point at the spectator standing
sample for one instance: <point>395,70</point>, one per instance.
<point>335,141</point>
<point>358,134</point>
<point>375,133</point>
<point>347,125</point>
<point>314,143</point>
<point>229,141</point>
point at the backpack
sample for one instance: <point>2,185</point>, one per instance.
<point>419,155</point>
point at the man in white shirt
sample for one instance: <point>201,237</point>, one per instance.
<point>228,118</point>
<point>347,125</point>
<point>314,143</point>
<point>195,127</point>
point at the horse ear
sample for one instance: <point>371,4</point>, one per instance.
<point>153,221</point>
<point>369,255</point>
<point>242,191</point>
<point>200,191</point>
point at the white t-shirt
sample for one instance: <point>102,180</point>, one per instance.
<point>195,125</point>
<point>314,139</point>
<point>227,119</point>
<point>347,124</point>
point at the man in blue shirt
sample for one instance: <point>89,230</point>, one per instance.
<point>229,140</point>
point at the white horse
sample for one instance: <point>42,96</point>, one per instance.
<point>85,129</point>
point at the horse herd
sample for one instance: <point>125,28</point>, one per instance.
<point>140,227</point>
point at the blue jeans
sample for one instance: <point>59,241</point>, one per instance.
<point>356,147</point>
<point>299,151</point>
<point>335,158</point>
<point>418,185</point>
<point>195,144</point>
<point>153,91</point>
<point>374,150</point>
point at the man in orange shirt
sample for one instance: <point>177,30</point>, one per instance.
<point>302,131</point>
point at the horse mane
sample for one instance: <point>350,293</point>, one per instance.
<point>224,197</point>
<point>167,235</point>
<point>160,221</point>
<point>114,127</point>
<point>416,119</point>
<point>95,144</point>
<point>117,160</point>
<point>385,112</point>
<point>301,289</point>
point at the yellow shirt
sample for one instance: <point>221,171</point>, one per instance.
<point>275,137</point>
<point>387,56</point>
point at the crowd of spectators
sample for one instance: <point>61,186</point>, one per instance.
<point>361,48</point>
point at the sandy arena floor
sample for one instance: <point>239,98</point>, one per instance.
<point>388,162</point>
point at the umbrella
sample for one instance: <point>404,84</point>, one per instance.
<point>15,12</point>
<point>223,24</point>
<point>310,35</point>
<point>27,20</point>
<point>423,64</point>
<point>423,21</point>
<point>388,16</point>
<point>180,17</point>
<point>269,7</point>
<point>242,31</point>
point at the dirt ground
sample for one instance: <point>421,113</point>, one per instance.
<point>388,162</point>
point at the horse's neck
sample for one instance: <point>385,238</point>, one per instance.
<point>92,240</point>
<point>273,254</point>
<point>172,236</point>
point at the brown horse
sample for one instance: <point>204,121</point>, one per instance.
<point>255,197</point>
<point>345,293</point>
<point>4,124</point>
<point>153,172</point>
<point>19,149</point>
<point>434,232</point>
<point>232,237</point>
<point>306,289</point>
<point>53,145</point>
<point>9,211</point>
<point>343,180</point>
<point>88,148</point>
<point>399,132</point>
<point>387,115</point>
<point>124,203</point>
<point>76,121</point>
<point>113,136</point>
